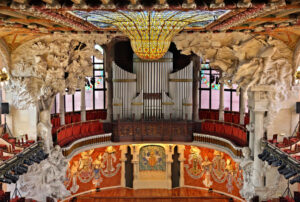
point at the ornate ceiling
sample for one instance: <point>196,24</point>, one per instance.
<point>23,20</point>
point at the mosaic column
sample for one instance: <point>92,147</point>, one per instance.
<point>221,104</point>
<point>62,109</point>
<point>83,107</point>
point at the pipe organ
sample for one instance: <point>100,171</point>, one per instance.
<point>152,91</point>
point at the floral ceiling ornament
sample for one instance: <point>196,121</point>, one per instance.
<point>150,32</point>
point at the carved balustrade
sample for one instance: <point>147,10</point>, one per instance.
<point>124,131</point>
<point>219,142</point>
<point>86,142</point>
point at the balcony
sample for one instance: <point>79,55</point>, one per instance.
<point>159,131</point>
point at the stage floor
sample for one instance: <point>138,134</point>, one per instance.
<point>153,195</point>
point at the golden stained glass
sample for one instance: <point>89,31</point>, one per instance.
<point>150,32</point>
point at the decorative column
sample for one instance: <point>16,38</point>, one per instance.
<point>196,79</point>
<point>181,149</point>
<point>108,59</point>
<point>259,133</point>
<point>221,104</point>
<point>135,162</point>
<point>258,104</point>
<point>169,162</point>
<point>250,128</point>
<point>123,159</point>
<point>242,107</point>
<point>62,109</point>
<point>83,107</point>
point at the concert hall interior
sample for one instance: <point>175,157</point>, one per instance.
<point>150,100</point>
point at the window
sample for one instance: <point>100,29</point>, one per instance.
<point>95,90</point>
<point>209,91</point>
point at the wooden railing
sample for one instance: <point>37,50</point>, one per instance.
<point>219,142</point>
<point>163,130</point>
<point>233,132</point>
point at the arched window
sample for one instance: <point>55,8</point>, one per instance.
<point>209,91</point>
<point>95,90</point>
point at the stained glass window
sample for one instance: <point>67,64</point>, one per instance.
<point>150,32</point>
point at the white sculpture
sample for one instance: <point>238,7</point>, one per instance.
<point>43,67</point>
<point>44,130</point>
<point>45,179</point>
<point>248,190</point>
<point>246,61</point>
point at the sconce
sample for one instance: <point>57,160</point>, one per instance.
<point>4,75</point>
<point>297,75</point>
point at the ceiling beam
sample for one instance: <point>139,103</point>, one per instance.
<point>43,22</point>
<point>77,1</point>
<point>48,1</point>
<point>20,1</point>
<point>12,13</point>
<point>287,12</point>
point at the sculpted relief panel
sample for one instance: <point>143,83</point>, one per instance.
<point>94,168</point>
<point>246,60</point>
<point>210,168</point>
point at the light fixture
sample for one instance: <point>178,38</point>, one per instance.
<point>13,178</point>
<point>290,174</point>
<point>295,179</point>
<point>150,32</point>
<point>3,75</point>
<point>297,74</point>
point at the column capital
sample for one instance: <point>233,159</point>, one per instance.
<point>258,97</point>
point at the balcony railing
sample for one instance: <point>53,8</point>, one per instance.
<point>163,130</point>
<point>86,142</point>
<point>75,117</point>
<point>230,117</point>
<point>67,134</point>
<point>233,132</point>
<point>219,142</point>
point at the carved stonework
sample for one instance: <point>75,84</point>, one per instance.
<point>45,179</point>
<point>246,61</point>
<point>44,130</point>
<point>48,65</point>
<point>247,191</point>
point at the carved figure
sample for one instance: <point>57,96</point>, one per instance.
<point>246,61</point>
<point>45,179</point>
<point>246,165</point>
<point>44,130</point>
<point>43,67</point>
<point>206,164</point>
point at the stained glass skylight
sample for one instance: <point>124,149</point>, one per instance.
<point>150,32</point>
